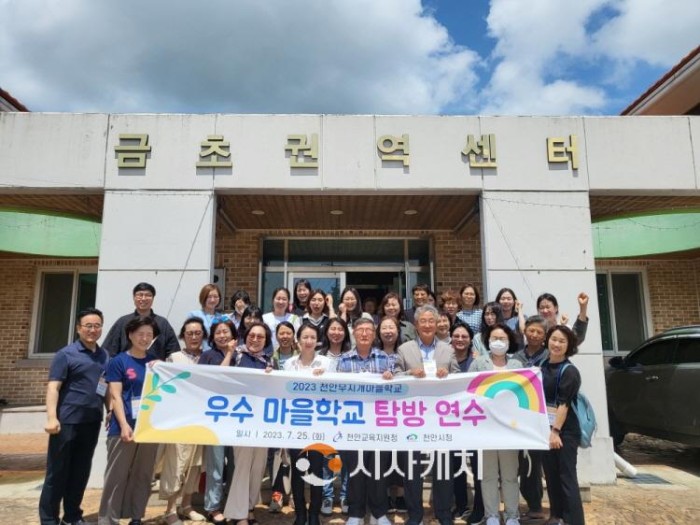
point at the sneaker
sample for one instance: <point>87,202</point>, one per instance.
<point>354,521</point>
<point>382,520</point>
<point>475,518</point>
<point>327,507</point>
<point>275,502</point>
<point>372,520</point>
<point>512,521</point>
<point>344,507</point>
<point>400,505</point>
<point>493,520</point>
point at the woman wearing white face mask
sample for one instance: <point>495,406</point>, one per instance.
<point>501,464</point>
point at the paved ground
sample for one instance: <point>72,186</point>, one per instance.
<point>667,490</point>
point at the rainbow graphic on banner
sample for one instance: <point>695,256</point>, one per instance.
<point>525,385</point>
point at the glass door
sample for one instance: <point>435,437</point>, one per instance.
<point>330,282</point>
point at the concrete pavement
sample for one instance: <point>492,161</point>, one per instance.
<point>667,489</point>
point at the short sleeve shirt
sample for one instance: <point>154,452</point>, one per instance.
<point>564,394</point>
<point>130,372</point>
<point>79,370</point>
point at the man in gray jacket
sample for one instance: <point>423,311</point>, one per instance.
<point>426,356</point>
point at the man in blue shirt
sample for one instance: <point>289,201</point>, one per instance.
<point>75,397</point>
<point>365,490</point>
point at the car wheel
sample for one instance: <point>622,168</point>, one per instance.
<point>617,432</point>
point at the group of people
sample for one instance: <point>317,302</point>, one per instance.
<point>305,334</point>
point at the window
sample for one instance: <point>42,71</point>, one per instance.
<point>659,353</point>
<point>688,350</point>
<point>61,295</point>
<point>623,312</point>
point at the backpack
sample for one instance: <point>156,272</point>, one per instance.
<point>584,413</point>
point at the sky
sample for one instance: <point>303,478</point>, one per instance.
<point>436,57</point>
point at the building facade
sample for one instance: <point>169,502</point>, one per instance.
<point>375,202</point>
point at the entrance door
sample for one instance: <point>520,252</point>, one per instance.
<point>376,284</point>
<point>330,282</point>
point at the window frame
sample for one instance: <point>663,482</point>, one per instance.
<point>646,304</point>
<point>76,271</point>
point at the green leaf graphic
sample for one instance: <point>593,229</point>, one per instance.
<point>183,375</point>
<point>170,389</point>
<point>145,407</point>
<point>156,380</point>
<point>154,397</point>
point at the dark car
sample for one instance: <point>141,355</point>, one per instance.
<point>655,389</point>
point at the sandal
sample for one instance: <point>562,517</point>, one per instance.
<point>216,517</point>
<point>190,514</point>
<point>172,519</point>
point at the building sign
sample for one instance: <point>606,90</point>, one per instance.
<point>558,151</point>
<point>303,151</point>
<point>482,153</point>
<point>388,145</point>
<point>213,405</point>
<point>132,150</point>
<point>215,153</point>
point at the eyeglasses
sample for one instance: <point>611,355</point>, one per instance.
<point>143,295</point>
<point>194,334</point>
<point>91,326</point>
<point>458,336</point>
<point>504,339</point>
<point>254,337</point>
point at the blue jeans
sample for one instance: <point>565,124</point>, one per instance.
<point>328,489</point>
<point>218,460</point>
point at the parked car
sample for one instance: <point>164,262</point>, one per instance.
<point>655,389</point>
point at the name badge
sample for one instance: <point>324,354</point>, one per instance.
<point>135,406</point>
<point>101,389</point>
<point>551,414</point>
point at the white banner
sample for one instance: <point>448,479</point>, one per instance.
<point>215,405</point>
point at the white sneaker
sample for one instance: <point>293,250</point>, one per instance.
<point>382,520</point>
<point>493,520</point>
<point>354,521</point>
<point>512,521</point>
<point>327,507</point>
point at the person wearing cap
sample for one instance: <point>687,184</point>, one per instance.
<point>165,344</point>
<point>365,490</point>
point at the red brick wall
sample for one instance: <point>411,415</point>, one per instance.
<point>673,286</point>
<point>23,381</point>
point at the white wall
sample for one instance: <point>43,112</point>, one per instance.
<point>164,238</point>
<point>536,242</point>
<point>76,152</point>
